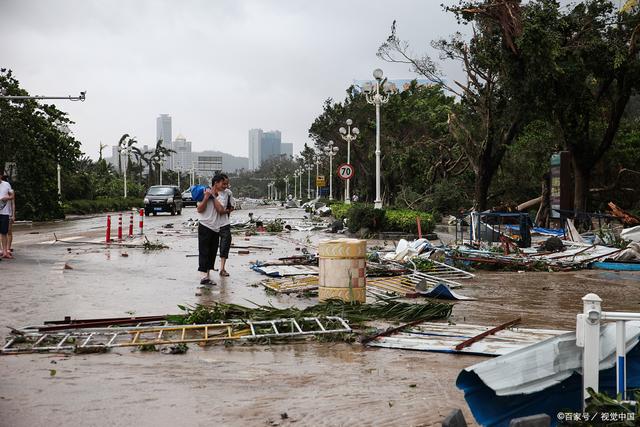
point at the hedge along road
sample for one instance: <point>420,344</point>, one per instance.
<point>313,383</point>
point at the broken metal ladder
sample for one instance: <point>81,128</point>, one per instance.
<point>97,339</point>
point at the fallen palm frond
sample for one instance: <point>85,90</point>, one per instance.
<point>355,313</point>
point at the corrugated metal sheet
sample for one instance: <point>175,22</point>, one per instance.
<point>442,337</point>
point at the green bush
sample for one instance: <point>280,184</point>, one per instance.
<point>340,210</point>
<point>405,220</point>
<point>365,216</point>
<point>81,207</point>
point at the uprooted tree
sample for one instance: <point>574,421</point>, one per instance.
<point>488,116</point>
<point>584,66</point>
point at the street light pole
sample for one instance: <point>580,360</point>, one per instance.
<point>373,95</point>
<point>309,167</point>
<point>295,184</point>
<point>161,162</point>
<point>331,152</point>
<point>125,150</point>
<point>317,161</point>
<point>348,135</point>
<point>65,130</point>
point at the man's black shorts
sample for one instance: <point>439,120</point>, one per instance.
<point>4,224</point>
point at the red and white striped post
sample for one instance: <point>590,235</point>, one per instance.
<point>108,235</point>
<point>141,221</point>
<point>131,224</point>
<point>119,226</point>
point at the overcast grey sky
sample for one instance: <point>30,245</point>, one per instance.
<point>218,67</point>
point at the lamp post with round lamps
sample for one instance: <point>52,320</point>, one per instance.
<point>318,161</point>
<point>309,167</point>
<point>373,95</point>
<point>331,151</point>
<point>348,135</point>
<point>300,174</point>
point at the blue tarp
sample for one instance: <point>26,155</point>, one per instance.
<point>558,232</point>
<point>566,396</point>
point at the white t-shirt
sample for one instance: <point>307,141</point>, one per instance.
<point>209,217</point>
<point>225,198</point>
<point>5,189</point>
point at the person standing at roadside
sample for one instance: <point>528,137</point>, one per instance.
<point>208,231</point>
<point>12,218</point>
<point>6,198</point>
<point>225,197</point>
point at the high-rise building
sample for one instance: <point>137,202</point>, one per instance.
<point>163,132</point>
<point>255,136</point>
<point>271,145</point>
<point>287,148</point>
<point>263,146</point>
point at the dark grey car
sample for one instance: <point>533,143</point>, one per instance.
<point>163,198</point>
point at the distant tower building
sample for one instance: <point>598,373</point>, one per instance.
<point>270,145</point>
<point>255,136</point>
<point>182,158</point>
<point>287,148</point>
<point>163,132</point>
<point>263,146</point>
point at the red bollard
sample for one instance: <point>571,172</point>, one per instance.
<point>108,237</point>
<point>141,221</point>
<point>119,226</point>
<point>419,227</point>
<point>131,224</point>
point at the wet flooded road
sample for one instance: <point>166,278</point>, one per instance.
<point>314,384</point>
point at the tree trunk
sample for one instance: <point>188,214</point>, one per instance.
<point>582,177</point>
<point>481,188</point>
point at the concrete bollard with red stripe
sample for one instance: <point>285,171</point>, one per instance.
<point>119,226</point>
<point>131,224</point>
<point>141,221</point>
<point>108,234</point>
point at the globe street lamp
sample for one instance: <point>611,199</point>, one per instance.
<point>373,95</point>
<point>318,162</point>
<point>161,161</point>
<point>348,135</point>
<point>300,174</point>
<point>331,152</point>
<point>286,186</point>
<point>309,167</point>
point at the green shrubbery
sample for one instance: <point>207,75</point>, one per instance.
<point>80,207</point>
<point>339,210</point>
<point>405,220</point>
<point>365,216</point>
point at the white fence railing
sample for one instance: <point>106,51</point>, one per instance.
<point>588,336</point>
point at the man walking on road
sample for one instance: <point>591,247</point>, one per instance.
<point>225,197</point>
<point>6,214</point>
<point>208,231</point>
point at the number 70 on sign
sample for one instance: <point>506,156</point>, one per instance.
<point>345,171</point>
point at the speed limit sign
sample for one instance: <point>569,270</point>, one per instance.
<point>345,171</point>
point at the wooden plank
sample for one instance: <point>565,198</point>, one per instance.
<point>478,337</point>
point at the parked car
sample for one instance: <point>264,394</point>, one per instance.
<point>187,199</point>
<point>163,198</point>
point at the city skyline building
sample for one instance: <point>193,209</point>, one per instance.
<point>265,145</point>
<point>287,148</point>
<point>163,132</point>
<point>255,136</point>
